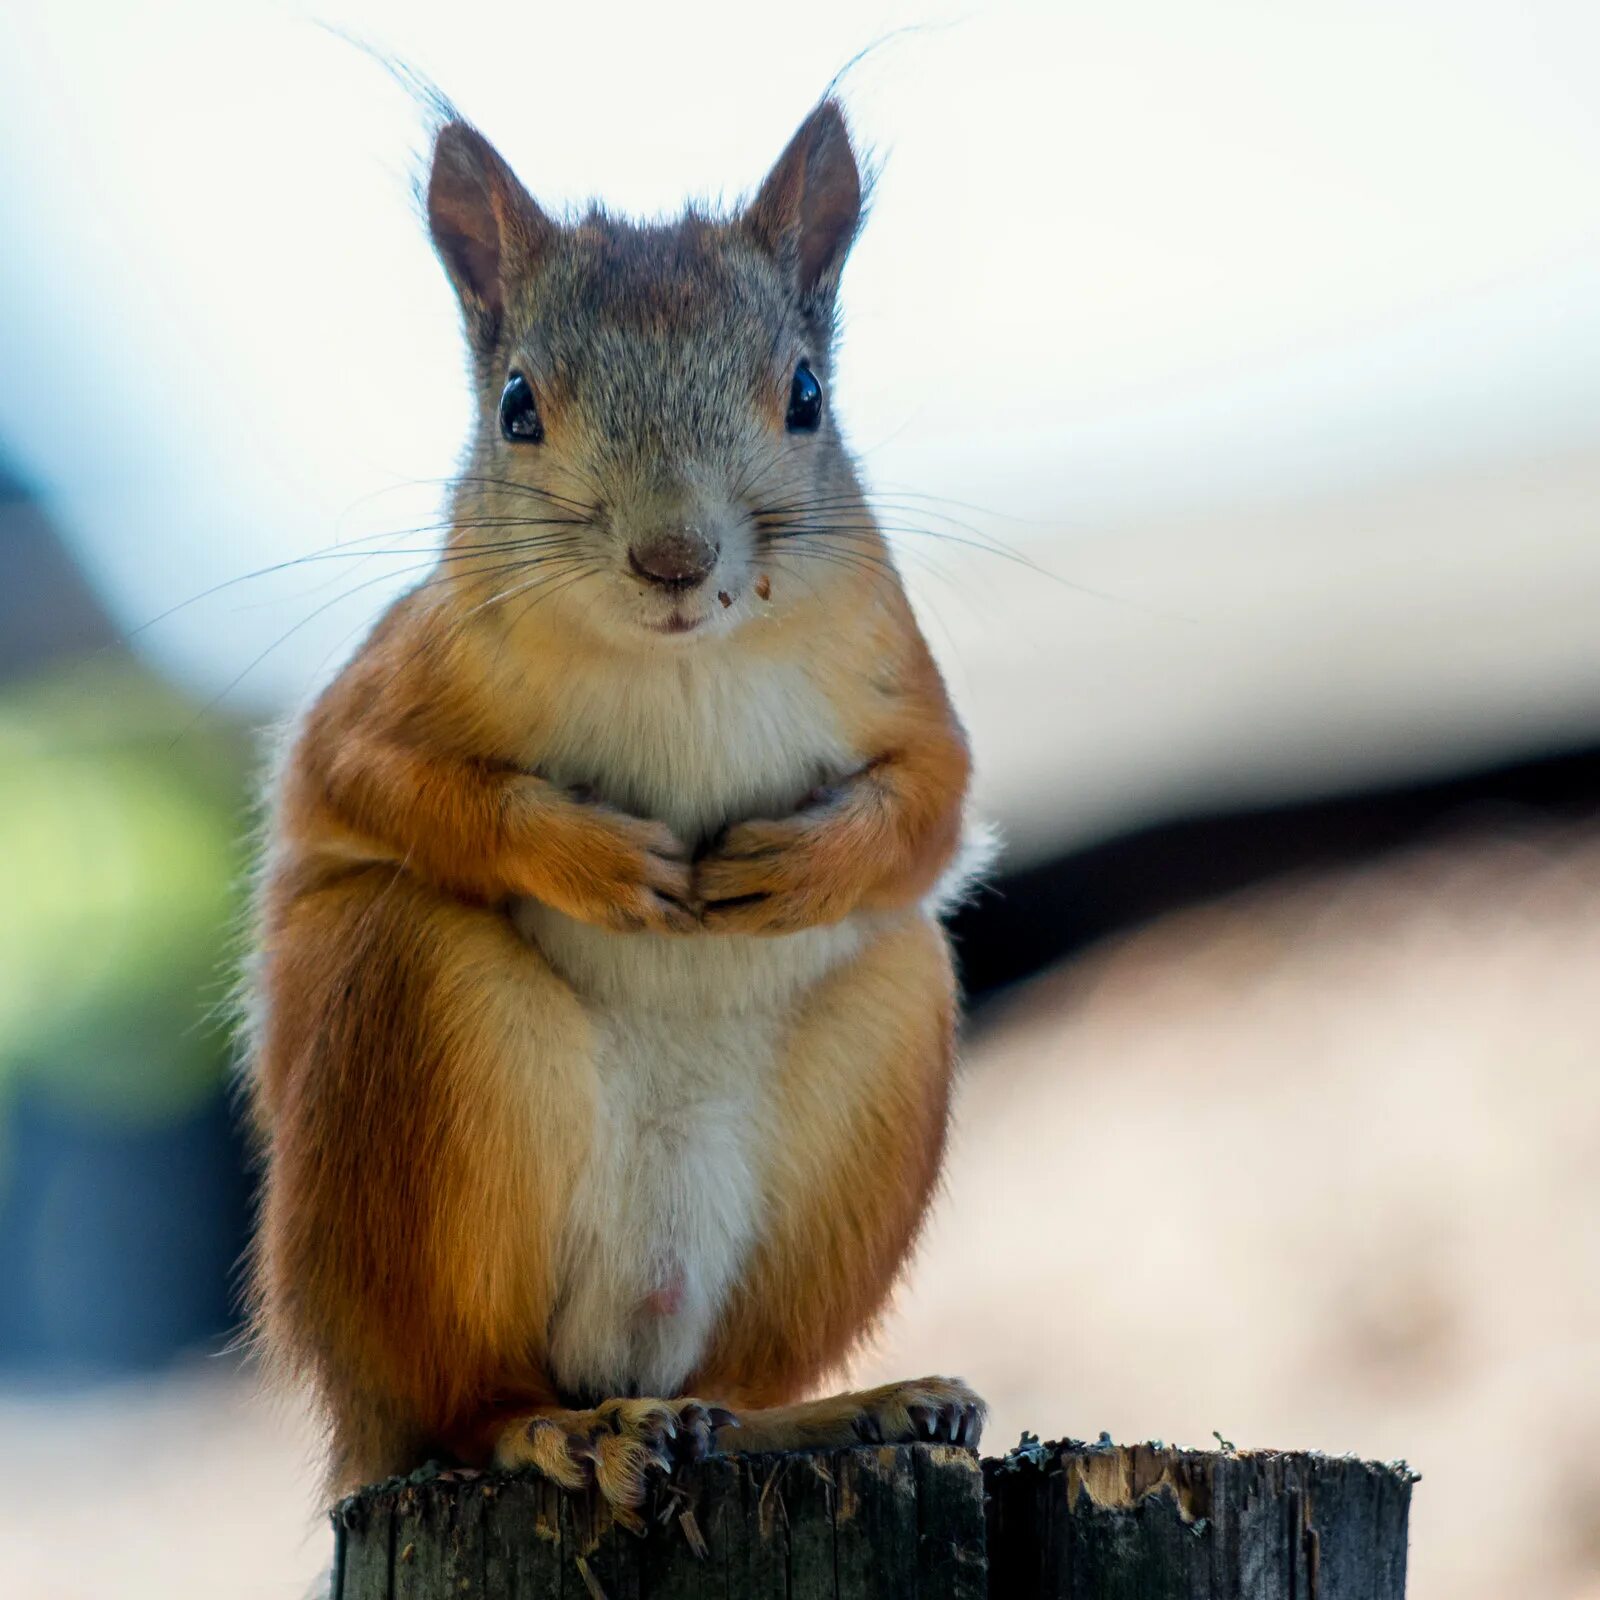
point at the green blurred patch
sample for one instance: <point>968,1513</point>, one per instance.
<point>121,835</point>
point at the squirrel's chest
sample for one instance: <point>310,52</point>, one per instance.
<point>697,744</point>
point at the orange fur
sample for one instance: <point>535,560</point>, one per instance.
<point>412,1205</point>
<point>408,1221</point>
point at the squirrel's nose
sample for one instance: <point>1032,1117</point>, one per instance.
<point>678,559</point>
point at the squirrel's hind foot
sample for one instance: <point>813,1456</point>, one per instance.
<point>619,1447</point>
<point>920,1411</point>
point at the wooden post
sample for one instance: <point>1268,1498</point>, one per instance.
<point>836,1524</point>
<point>1143,1522</point>
<point>1066,1522</point>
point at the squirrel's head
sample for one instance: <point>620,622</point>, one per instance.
<point>655,436</point>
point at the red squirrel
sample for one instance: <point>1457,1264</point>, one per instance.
<point>603,1022</point>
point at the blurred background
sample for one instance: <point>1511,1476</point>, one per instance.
<point>1271,334</point>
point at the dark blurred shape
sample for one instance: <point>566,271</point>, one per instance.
<point>48,612</point>
<point>122,1188</point>
<point>118,1243</point>
<point>1029,920</point>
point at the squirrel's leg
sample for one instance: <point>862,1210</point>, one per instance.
<point>851,1156</point>
<point>424,1092</point>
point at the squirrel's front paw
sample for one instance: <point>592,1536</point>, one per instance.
<point>775,877</point>
<point>619,1447</point>
<point>616,871</point>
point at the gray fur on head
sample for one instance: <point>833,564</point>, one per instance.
<point>661,355</point>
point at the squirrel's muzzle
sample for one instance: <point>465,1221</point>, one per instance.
<point>678,559</point>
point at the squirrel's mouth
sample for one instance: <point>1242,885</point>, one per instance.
<point>677,622</point>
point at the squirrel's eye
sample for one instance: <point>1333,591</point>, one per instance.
<point>805,401</point>
<point>519,416</point>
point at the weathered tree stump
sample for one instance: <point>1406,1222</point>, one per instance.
<point>1062,1522</point>
<point>1143,1522</point>
<point>855,1523</point>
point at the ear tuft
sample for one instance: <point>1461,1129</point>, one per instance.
<point>807,210</point>
<point>485,225</point>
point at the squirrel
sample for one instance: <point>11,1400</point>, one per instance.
<point>602,1020</point>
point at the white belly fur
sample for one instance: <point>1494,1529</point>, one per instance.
<point>668,1204</point>
<point>686,1030</point>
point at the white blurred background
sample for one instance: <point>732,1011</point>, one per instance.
<point>1269,331</point>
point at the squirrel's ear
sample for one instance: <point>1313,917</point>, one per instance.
<point>485,225</point>
<point>807,211</point>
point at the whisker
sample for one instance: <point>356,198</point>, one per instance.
<point>461,558</point>
<point>779,529</point>
<point>331,553</point>
<point>511,591</point>
<point>339,599</point>
<point>883,571</point>
<point>437,640</point>
<point>875,504</point>
<point>583,572</point>
<point>531,489</point>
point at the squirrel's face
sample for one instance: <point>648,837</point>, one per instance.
<point>656,444</point>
